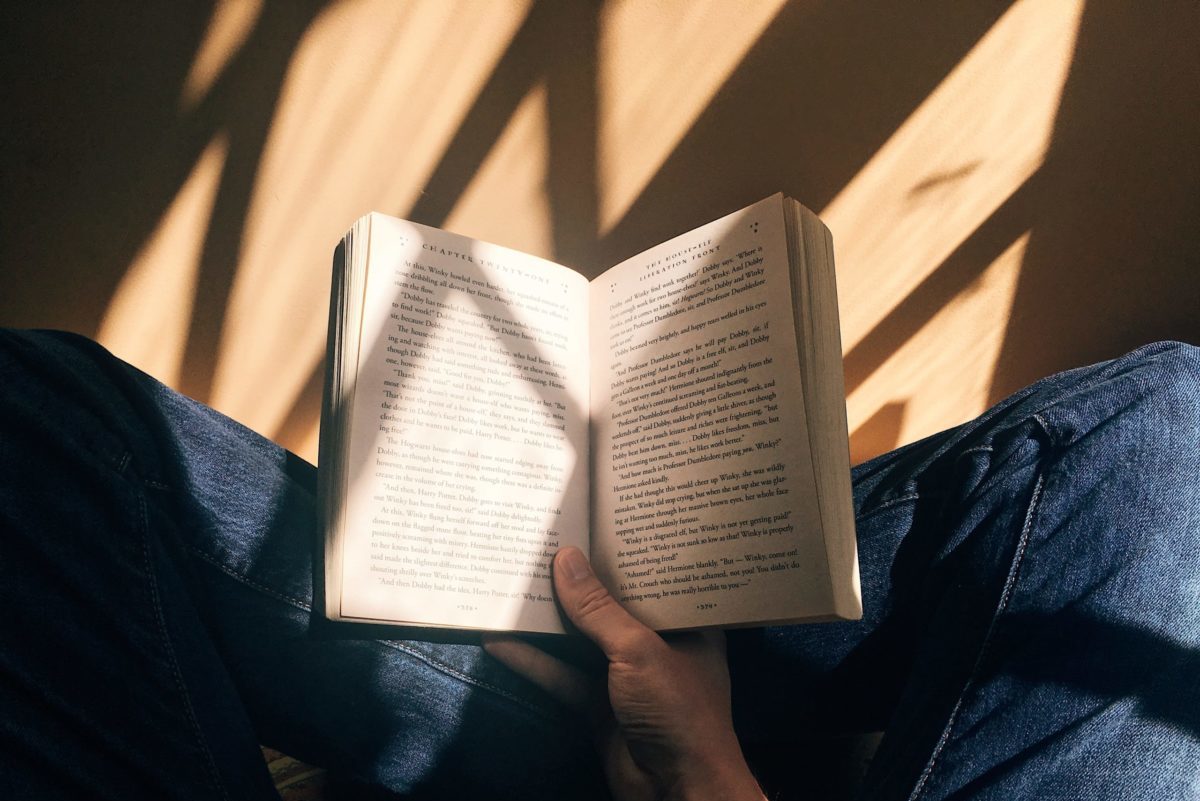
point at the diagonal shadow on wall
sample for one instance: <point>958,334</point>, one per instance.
<point>101,147</point>
<point>556,43</point>
<point>1113,260</point>
<point>820,91</point>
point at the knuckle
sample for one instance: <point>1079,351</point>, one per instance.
<point>596,601</point>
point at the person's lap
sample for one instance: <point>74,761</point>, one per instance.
<point>1032,600</point>
<point>193,537</point>
<point>1030,581</point>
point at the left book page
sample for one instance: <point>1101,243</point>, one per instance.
<point>458,415</point>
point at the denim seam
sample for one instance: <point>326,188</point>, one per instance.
<point>176,672</point>
<point>888,504</point>
<point>464,677</point>
<point>249,581</point>
<point>1009,582</point>
<point>434,663</point>
<point>1054,440</point>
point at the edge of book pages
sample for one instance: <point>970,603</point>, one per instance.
<point>819,343</point>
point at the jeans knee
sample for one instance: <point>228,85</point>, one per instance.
<point>1177,370</point>
<point>1144,402</point>
<point>1168,400</point>
<point>1128,461</point>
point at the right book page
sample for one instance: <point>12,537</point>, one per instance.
<point>705,504</point>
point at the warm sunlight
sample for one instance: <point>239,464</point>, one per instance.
<point>149,314</point>
<point>657,74</point>
<point>359,127</point>
<point>515,169</point>
<point>585,133</point>
<point>614,324</point>
<point>944,371</point>
<point>232,21</point>
<point>973,142</point>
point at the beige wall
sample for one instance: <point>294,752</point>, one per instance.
<point>1013,188</point>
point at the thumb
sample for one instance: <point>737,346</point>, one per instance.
<point>595,612</point>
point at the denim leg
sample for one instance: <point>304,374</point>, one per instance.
<point>1032,592</point>
<point>155,582</point>
<point>1087,680</point>
<point>1030,630</point>
<point>108,687</point>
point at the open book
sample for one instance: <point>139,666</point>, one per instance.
<point>680,418</point>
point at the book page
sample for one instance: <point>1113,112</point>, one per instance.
<point>704,507</point>
<point>468,447</point>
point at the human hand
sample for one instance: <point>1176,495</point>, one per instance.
<point>665,730</point>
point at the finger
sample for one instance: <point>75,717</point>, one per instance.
<point>565,683</point>
<point>595,612</point>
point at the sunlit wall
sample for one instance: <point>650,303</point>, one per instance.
<point>1012,186</point>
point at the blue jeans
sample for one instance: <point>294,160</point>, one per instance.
<point>1031,582</point>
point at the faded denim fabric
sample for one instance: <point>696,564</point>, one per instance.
<point>1031,582</point>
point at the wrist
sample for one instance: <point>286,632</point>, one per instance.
<point>727,780</point>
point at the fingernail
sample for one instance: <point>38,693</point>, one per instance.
<point>575,562</point>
